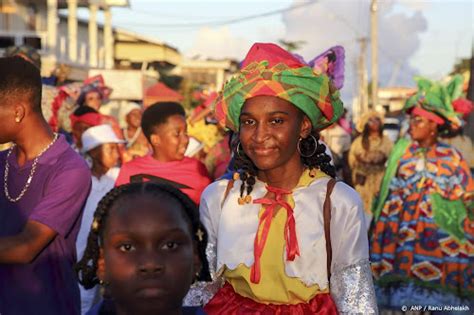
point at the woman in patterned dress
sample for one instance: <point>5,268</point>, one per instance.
<point>422,246</point>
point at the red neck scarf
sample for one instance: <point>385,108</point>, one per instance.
<point>265,221</point>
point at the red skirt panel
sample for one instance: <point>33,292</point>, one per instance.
<point>227,302</point>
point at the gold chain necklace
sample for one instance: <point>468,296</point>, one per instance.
<point>30,177</point>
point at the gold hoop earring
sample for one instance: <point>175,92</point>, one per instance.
<point>238,148</point>
<point>298,147</point>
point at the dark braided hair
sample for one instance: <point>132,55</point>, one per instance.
<point>248,171</point>
<point>86,268</point>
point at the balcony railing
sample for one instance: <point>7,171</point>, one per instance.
<point>38,40</point>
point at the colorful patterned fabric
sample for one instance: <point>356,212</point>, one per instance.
<point>270,70</point>
<point>437,98</point>
<point>94,84</point>
<point>424,237</point>
<point>331,62</point>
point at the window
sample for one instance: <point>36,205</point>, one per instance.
<point>32,41</point>
<point>7,41</point>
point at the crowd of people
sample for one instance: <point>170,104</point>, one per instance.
<point>266,199</point>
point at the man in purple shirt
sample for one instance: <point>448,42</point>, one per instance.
<point>45,185</point>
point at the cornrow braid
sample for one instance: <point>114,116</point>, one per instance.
<point>248,171</point>
<point>86,268</point>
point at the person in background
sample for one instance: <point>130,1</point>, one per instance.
<point>136,142</point>
<point>457,138</point>
<point>57,102</point>
<point>45,187</point>
<point>146,247</point>
<point>202,126</point>
<point>338,139</point>
<point>219,157</point>
<point>100,144</point>
<point>164,125</point>
<point>422,243</point>
<point>93,94</point>
<point>82,119</point>
<point>367,157</point>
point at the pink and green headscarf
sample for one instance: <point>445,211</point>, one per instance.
<point>270,70</point>
<point>436,101</point>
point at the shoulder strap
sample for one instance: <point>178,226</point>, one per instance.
<point>327,224</point>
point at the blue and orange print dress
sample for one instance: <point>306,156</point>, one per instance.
<point>422,246</point>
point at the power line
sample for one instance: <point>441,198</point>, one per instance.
<point>224,22</point>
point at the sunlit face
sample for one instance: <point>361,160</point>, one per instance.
<point>148,258</point>
<point>93,100</point>
<point>374,124</point>
<point>170,140</point>
<point>106,154</point>
<point>134,118</point>
<point>421,128</point>
<point>269,131</point>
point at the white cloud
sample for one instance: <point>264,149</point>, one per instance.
<point>417,5</point>
<point>218,43</point>
<point>327,23</point>
<point>338,22</point>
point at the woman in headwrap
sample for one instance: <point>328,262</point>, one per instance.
<point>270,242</point>
<point>137,144</point>
<point>93,94</point>
<point>422,246</point>
<point>367,158</point>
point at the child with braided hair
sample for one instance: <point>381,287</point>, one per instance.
<point>272,240</point>
<point>146,246</point>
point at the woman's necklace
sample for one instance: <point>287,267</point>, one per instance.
<point>30,177</point>
<point>131,141</point>
<point>421,159</point>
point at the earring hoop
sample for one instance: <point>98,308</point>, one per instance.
<point>298,147</point>
<point>238,150</point>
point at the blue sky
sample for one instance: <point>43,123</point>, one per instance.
<point>416,37</point>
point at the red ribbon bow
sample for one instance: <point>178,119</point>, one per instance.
<point>292,248</point>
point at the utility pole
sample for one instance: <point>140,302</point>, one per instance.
<point>374,55</point>
<point>362,71</point>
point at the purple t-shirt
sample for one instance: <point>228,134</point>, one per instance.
<point>56,196</point>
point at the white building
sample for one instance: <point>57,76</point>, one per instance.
<point>37,24</point>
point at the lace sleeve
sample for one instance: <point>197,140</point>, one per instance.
<point>352,289</point>
<point>201,292</point>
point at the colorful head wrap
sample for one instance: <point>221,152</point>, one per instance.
<point>91,119</point>
<point>270,70</point>
<point>435,101</point>
<point>94,84</point>
<point>463,106</point>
